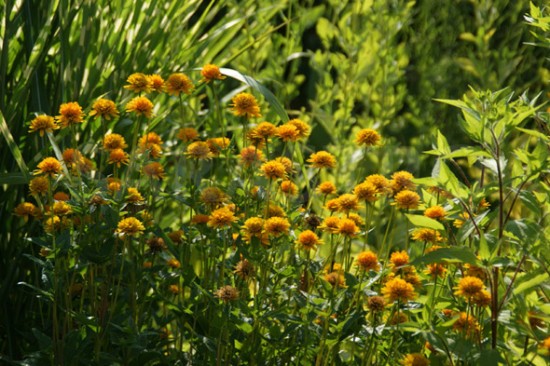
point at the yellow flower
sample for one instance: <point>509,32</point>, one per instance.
<point>399,259</point>
<point>69,114</point>
<point>198,150</point>
<point>402,180</point>
<point>366,192</point>
<point>217,144</point>
<point>174,289</point>
<point>435,270</point>
<point>289,188</point>
<point>308,240</point>
<point>482,298</point>
<point>188,134</point>
<point>130,226</point>
<point>114,141</point>
<point>24,210</point>
<point>157,83</point>
<point>154,170</point>
<point>379,181</point>
<point>213,196</point>
<point>227,293</point>
<point>287,163</point>
<point>287,132</point>
<point>173,263</point>
<point>245,104</point>
<point>251,155</point>
<point>348,202</point>
<point>276,226</point>
<point>151,143</point>
<point>179,83</point>
<point>117,157</point>
<point>141,106</point>
<point>469,287</point>
<point>322,159</point>
<point>400,290</point>
<point>43,123</point>
<point>435,212</point>
<point>407,199</point>
<point>264,130</point>
<point>176,236</point>
<point>138,83</point>
<point>427,235</point>
<point>467,324</point>
<point>336,279</point>
<point>414,359</point>
<point>200,219</point>
<point>367,261</point>
<point>326,188</point>
<point>52,224</point>
<point>39,185</point>
<point>330,224</point>
<point>332,205</point>
<point>133,195</point>
<point>211,72</point>
<point>376,304</point>
<point>113,185</point>
<point>303,128</point>
<point>104,108</point>
<point>221,217</point>
<point>253,228</point>
<point>49,166</point>
<point>61,208</point>
<point>367,137</point>
<point>273,169</point>
<point>347,227</point>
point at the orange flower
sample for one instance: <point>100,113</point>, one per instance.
<point>61,196</point>
<point>251,155</point>
<point>39,185</point>
<point>322,159</point>
<point>435,212</point>
<point>138,83</point>
<point>245,104</point>
<point>402,180</point>
<point>130,226</point>
<point>49,166</point>
<point>367,261</point>
<point>273,169</point>
<point>70,114</point>
<point>104,108</point>
<point>117,157</point>
<point>407,199</point>
<point>114,141</point>
<point>24,210</point>
<point>188,134</point>
<point>367,137</point>
<point>302,127</point>
<point>326,188</point>
<point>211,72</point>
<point>213,196</point>
<point>179,83</point>
<point>397,289</point>
<point>347,227</point>
<point>141,106</point>
<point>308,240</point>
<point>330,224</point>
<point>289,188</point>
<point>154,170</point>
<point>221,217</point>
<point>156,82</point>
<point>399,259</point>
<point>379,181</point>
<point>287,132</point>
<point>469,287</point>
<point>366,192</point>
<point>414,359</point>
<point>198,150</point>
<point>43,123</point>
<point>348,202</point>
<point>227,294</point>
<point>276,226</point>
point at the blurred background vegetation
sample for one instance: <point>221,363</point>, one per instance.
<point>342,65</point>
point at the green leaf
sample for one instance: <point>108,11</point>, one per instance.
<point>450,182</point>
<point>532,282</point>
<point>14,148</point>
<point>449,255</point>
<point>271,99</point>
<point>524,229</point>
<point>423,221</point>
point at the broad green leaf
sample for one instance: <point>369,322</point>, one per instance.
<point>423,221</point>
<point>450,182</point>
<point>532,282</point>
<point>449,255</point>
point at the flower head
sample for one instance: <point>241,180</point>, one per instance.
<point>49,166</point>
<point>154,170</point>
<point>402,180</point>
<point>414,359</point>
<point>322,159</point>
<point>407,199</point>
<point>326,188</point>
<point>289,188</point>
<point>245,104</point>
<point>348,202</point>
<point>114,141</point>
<point>187,134</point>
<point>222,217</point>
<point>367,137</point>
<point>469,287</point>
<point>244,269</point>
<point>276,226</point>
<point>380,182</point>
<point>43,123</point>
<point>427,235</point>
<point>336,279</point>
<point>141,106</point>
<point>399,259</point>
<point>264,130</point>
<point>347,227</point>
<point>130,226</point>
<point>24,210</point>
<point>179,83</point>
<point>376,304</point>
<point>435,212</point>
<point>398,289</point>
<point>330,224</point>
<point>308,240</point>
<point>211,72</point>
<point>61,196</point>
<point>253,228</point>
<point>217,144</point>
<point>303,128</point>
<point>133,195</point>
<point>104,108</point>
<point>273,169</point>
<point>157,83</point>
<point>213,196</point>
<point>366,192</point>
<point>70,114</point>
<point>227,294</point>
<point>138,83</point>
<point>467,324</point>
<point>250,155</point>
<point>118,157</point>
<point>367,261</point>
<point>287,132</point>
<point>39,185</point>
<point>198,150</point>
